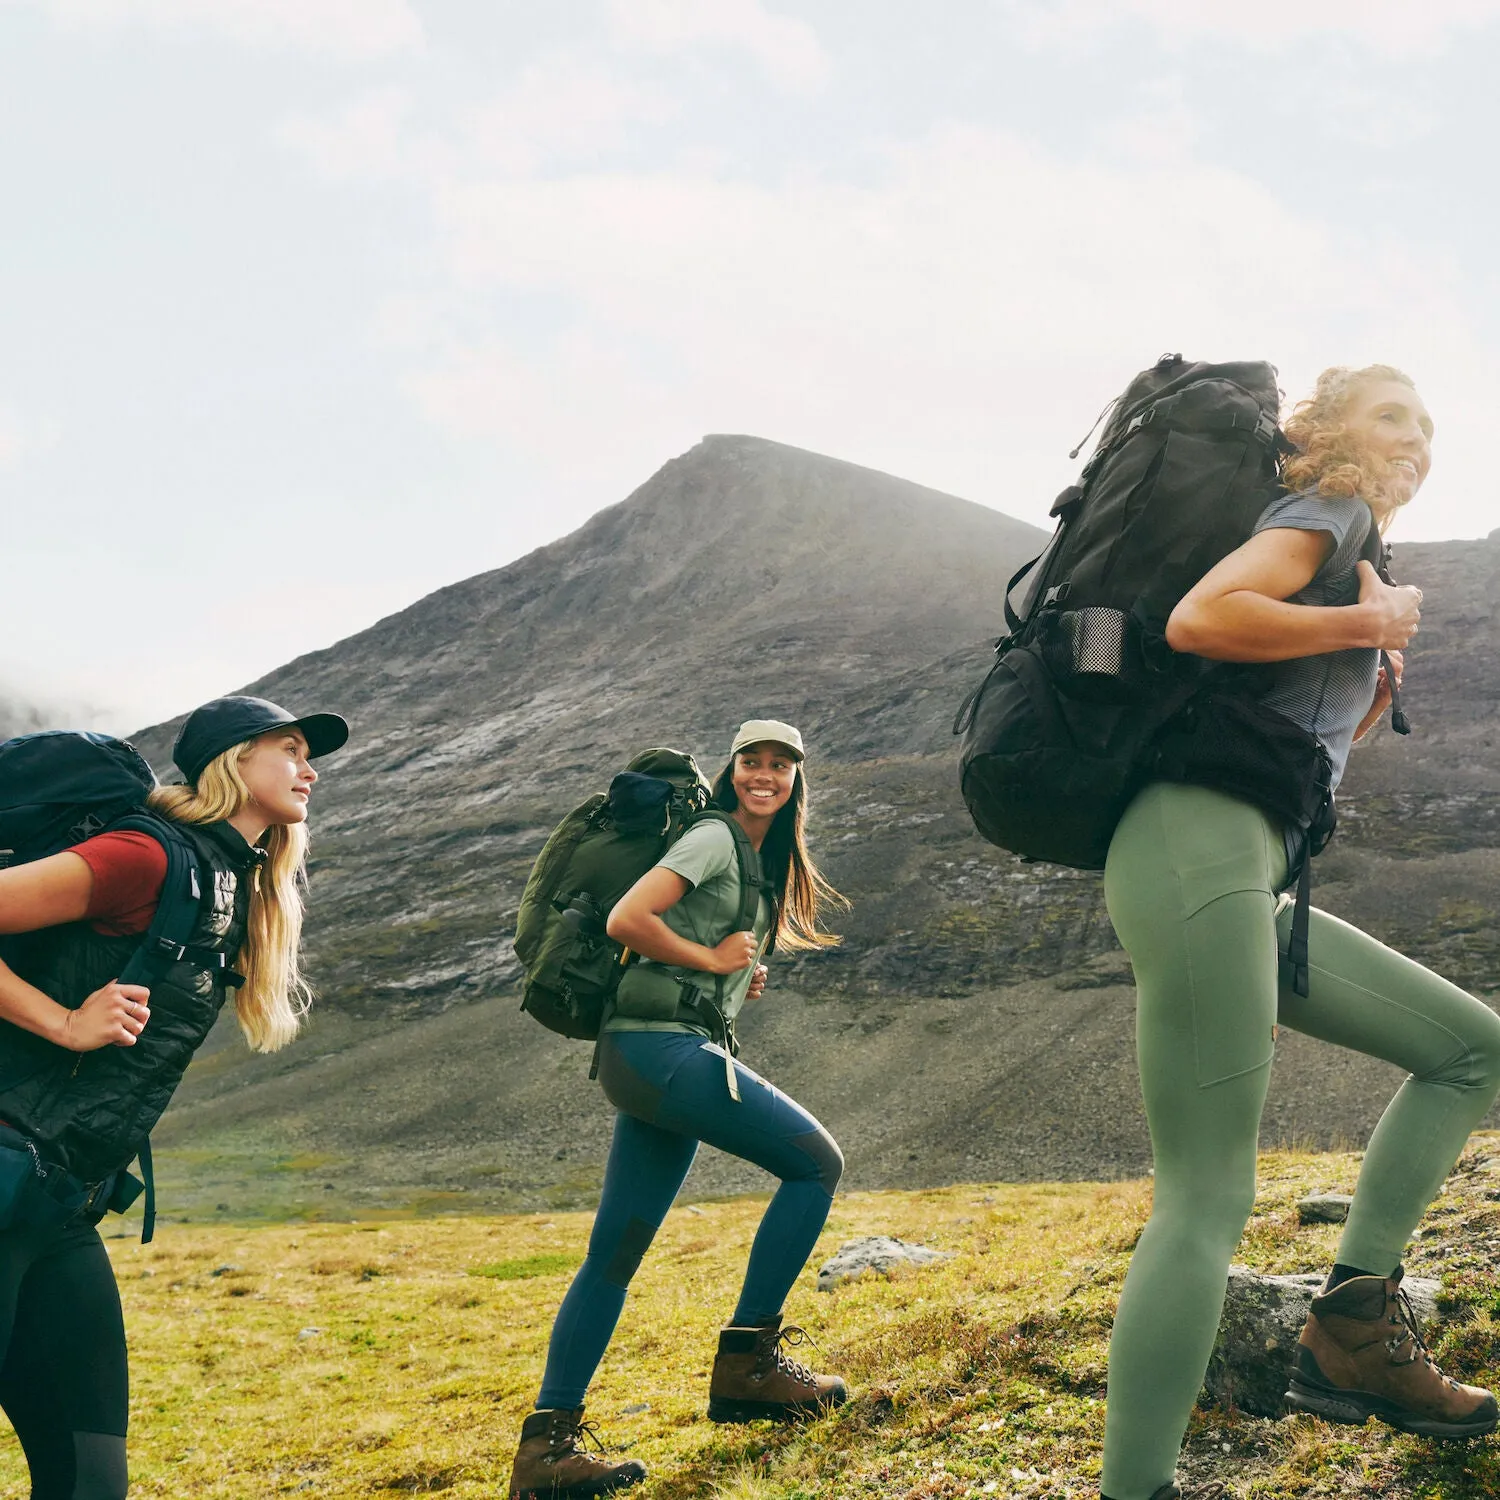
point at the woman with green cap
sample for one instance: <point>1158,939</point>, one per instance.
<point>674,1084</point>
<point>88,1064</point>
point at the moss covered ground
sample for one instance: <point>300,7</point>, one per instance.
<point>397,1356</point>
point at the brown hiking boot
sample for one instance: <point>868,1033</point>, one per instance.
<point>753,1379</point>
<point>1361,1356</point>
<point>551,1463</point>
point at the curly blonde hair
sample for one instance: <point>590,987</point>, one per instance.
<point>1330,459</point>
<point>275,996</point>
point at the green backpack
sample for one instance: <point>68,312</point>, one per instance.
<point>573,967</point>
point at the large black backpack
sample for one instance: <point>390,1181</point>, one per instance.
<point>61,787</point>
<point>573,967</point>
<point>1086,702</point>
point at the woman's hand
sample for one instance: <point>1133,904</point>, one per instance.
<point>1393,610</point>
<point>113,1016</point>
<point>736,952</point>
<point>1382,699</point>
<point>757,983</point>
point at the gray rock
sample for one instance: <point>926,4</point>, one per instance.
<point>1325,1208</point>
<point>877,1252</point>
<point>1263,1318</point>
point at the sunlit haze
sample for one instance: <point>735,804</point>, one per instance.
<point>312,306</point>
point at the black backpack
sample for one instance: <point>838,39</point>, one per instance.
<point>573,967</point>
<point>1086,702</point>
<point>61,787</point>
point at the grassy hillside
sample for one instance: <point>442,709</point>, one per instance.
<point>397,1355</point>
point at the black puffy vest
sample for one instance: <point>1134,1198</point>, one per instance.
<point>91,1112</point>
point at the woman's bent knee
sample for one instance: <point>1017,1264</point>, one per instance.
<point>1476,1063</point>
<point>102,1473</point>
<point>823,1153</point>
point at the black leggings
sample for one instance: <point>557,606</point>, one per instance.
<point>64,1381</point>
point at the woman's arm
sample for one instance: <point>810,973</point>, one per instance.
<point>1238,611</point>
<point>45,894</point>
<point>636,922</point>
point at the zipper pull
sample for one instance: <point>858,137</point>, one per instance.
<point>1108,406</point>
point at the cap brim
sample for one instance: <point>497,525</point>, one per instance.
<point>767,739</point>
<point>324,733</point>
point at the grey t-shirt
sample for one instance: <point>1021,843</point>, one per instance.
<point>1327,694</point>
<point>704,857</point>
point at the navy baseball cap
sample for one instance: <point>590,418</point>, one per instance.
<point>212,729</point>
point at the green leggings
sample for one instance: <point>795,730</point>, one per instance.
<point>1191,885</point>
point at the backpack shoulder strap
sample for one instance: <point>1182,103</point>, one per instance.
<point>752,876</point>
<point>165,943</point>
<point>166,940</point>
<point>1377,552</point>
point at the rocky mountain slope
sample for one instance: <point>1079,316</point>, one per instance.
<point>976,1022</point>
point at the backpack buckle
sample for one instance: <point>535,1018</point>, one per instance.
<point>1266,428</point>
<point>175,951</point>
<point>1141,419</point>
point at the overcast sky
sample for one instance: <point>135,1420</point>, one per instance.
<point>308,307</point>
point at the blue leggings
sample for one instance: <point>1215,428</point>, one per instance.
<point>671,1092</point>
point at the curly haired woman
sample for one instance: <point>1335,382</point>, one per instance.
<point>1193,884</point>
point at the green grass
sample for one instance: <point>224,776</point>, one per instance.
<point>398,1357</point>
<point>527,1267</point>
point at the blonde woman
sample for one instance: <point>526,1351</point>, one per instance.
<point>1193,884</point>
<point>87,1064</point>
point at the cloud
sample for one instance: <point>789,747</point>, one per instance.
<point>22,438</point>
<point>1389,27</point>
<point>787,49</point>
<point>349,29</point>
<point>957,319</point>
<point>562,110</point>
<point>368,138</point>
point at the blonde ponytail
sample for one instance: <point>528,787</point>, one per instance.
<point>275,996</point>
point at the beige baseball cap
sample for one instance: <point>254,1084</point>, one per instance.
<point>759,731</point>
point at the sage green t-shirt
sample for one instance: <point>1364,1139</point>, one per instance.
<point>704,857</point>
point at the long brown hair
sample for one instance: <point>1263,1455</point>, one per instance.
<point>275,996</point>
<point>798,887</point>
<point>1330,459</point>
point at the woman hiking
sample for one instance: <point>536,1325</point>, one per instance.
<point>1193,885</point>
<point>88,1063</point>
<point>674,1085</point>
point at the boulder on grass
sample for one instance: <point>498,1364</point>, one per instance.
<point>1325,1208</point>
<point>877,1252</point>
<point>1263,1318</point>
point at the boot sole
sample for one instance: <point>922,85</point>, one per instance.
<point>1355,1408</point>
<point>727,1409</point>
<point>591,1491</point>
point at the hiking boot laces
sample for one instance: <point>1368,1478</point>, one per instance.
<point>793,1335</point>
<point>1404,1317</point>
<point>578,1435</point>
